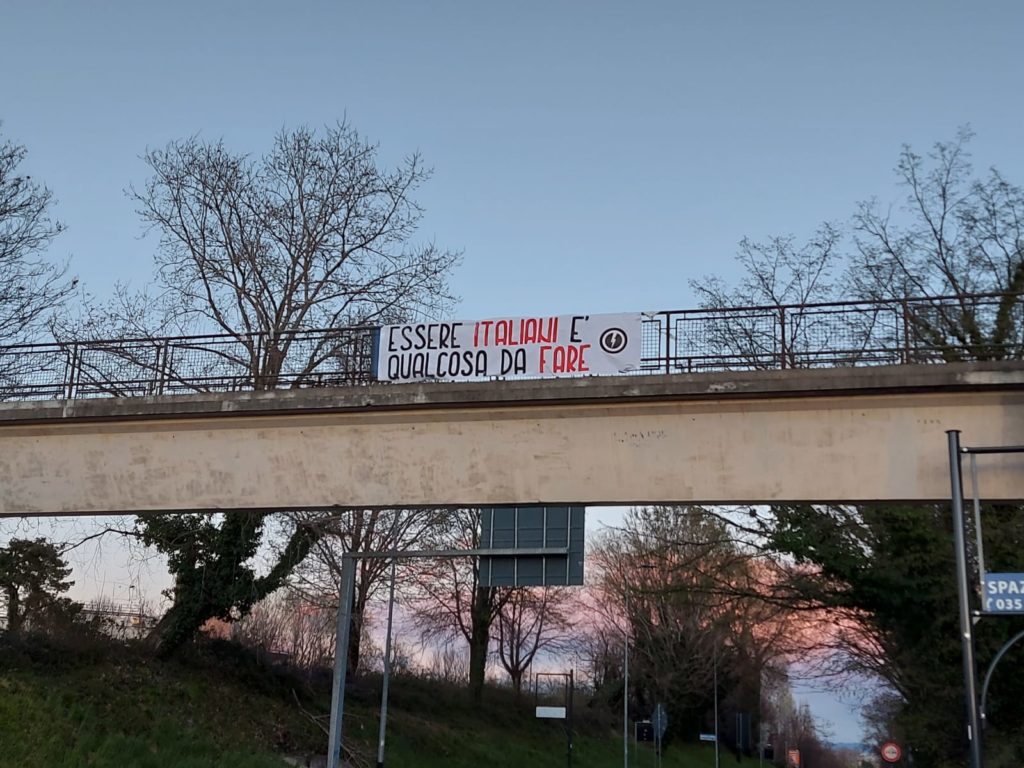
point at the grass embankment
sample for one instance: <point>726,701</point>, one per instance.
<point>432,726</point>
<point>109,707</point>
<point>219,708</point>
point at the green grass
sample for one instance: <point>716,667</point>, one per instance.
<point>118,716</point>
<point>220,709</point>
<point>432,725</point>
<point>540,746</point>
<point>122,711</point>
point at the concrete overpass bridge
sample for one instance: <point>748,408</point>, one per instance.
<point>855,410</point>
<point>843,434</point>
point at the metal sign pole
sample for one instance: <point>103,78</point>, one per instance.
<point>348,585</point>
<point>625,685</point>
<point>977,523</point>
<point>568,721</point>
<point>387,672</point>
<point>963,588</point>
<point>345,605</point>
<point>717,756</point>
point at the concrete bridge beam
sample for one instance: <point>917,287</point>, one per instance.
<point>842,435</point>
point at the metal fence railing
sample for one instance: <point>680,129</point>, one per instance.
<point>884,332</point>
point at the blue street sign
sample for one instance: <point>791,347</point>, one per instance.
<point>1004,592</point>
<point>707,737</point>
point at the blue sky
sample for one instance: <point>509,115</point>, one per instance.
<point>589,156</point>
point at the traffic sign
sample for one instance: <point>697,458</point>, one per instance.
<point>542,546</point>
<point>643,731</point>
<point>891,752</point>
<point>1004,592</point>
<point>660,721</point>
<point>552,713</point>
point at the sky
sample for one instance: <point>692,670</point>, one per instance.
<point>588,156</point>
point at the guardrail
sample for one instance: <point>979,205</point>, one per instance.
<point>885,332</point>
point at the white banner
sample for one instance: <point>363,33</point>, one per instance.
<point>565,345</point>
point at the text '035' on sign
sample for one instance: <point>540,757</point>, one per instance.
<point>540,347</point>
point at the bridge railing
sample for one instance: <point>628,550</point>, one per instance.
<point>830,335</point>
<point>883,332</point>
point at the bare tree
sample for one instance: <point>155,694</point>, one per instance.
<point>532,621</point>
<point>30,287</point>
<point>361,530</point>
<point>285,623</point>
<point>600,651</point>
<point>781,326</point>
<point>450,603</point>
<point>687,593</point>
<point>314,234</point>
<point>447,664</point>
<point>953,241</point>
<point>778,272</point>
<point>954,235</point>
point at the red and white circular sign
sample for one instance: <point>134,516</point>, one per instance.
<point>891,752</point>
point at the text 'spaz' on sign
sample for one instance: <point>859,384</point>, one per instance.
<point>530,347</point>
<point>542,546</point>
<point>1004,592</point>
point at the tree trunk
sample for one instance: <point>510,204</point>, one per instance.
<point>517,682</point>
<point>478,663</point>
<point>179,625</point>
<point>13,612</point>
<point>202,593</point>
<point>481,618</point>
<point>355,636</point>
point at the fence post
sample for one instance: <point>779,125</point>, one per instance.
<point>905,309</point>
<point>782,336</point>
<point>257,359</point>
<point>153,385</point>
<point>72,372</point>
<point>163,366</point>
<point>668,343</point>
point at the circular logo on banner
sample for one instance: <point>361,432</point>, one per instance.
<point>891,752</point>
<point>613,340</point>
